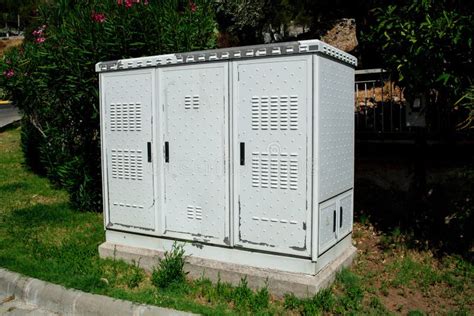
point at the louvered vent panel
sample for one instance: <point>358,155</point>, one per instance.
<point>125,117</point>
<point>194,212</point>
<point>275,171</point>
<point>127,164</point>
<point>191,102</point>
<point>294,112</point>
<point>275,112</point>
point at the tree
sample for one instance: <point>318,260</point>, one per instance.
<point>428,44</point>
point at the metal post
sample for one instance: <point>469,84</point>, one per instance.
<point>365,107</point>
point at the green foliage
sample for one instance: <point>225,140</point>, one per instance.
<point>354,294</point>
<point>242,295</point>
<point>53,81</point>
<point>429,44</point>
<point>170,269</point>
<point>323,301</point>
<point>467,103</point>
<point>135,276</point>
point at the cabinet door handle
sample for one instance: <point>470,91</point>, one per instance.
<point>340,216</point>
<point>148,149</point>
<point>242,154</point>
<point>167,152</point>
<point>334,222</point>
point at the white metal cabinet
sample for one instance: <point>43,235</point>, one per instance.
<point>127,101</point>
<point>194,100</point>
<point>272,120</point>
<point>335,220</point>
<point>279,116</point>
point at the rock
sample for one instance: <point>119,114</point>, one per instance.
<point>342,35</point>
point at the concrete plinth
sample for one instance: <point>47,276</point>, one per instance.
<point>279,282</point>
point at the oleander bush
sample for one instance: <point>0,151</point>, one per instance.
<point>52,79</point>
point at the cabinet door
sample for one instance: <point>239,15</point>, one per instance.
<point>327,225</point>
<point>345,214</point>
<point>127,138</point>
<point>194,99</point>
<point>272,117</point>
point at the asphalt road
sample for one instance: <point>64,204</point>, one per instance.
<point>8,114</point>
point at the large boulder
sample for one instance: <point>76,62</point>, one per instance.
<point>342,35</point>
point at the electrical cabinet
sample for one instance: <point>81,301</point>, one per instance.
<point>239,151</point>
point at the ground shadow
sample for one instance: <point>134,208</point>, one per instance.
<point>439,218</point>
<point>39,215</point>
<point>13,187</point>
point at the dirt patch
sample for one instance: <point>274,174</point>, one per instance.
<point>406,280</point>
<point>5,44</point>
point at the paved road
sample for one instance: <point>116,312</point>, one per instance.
<point>8,114</point>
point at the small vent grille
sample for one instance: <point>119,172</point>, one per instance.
<point>191,102</point>
<point>275,112</point>
<point>127,164</point>
<point>125,117</point>
<point>194,212</point>
<point>275,171</point>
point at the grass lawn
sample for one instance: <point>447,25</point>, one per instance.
<point>42,237</point>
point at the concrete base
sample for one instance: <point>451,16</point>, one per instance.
<point>279,282</point>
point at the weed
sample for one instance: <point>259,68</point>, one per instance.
<point>384,288</point>
<point>415,313</point>
<point>291,301</point>
<point>242,294</point>
<point>261,298</point>
<point>136,275</point>
<point>170,269</point>
<point>376,306</point>
<point>224,289</point>
<point>353,293</point>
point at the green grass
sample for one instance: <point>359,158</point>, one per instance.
<point>43,237</point>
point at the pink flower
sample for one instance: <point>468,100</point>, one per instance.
<point>128,3</point>
<point>40,40</point>
<point>145,2</point>
<point>39,31</point>
<point>98,17</point>
<point>192,6</point>
<point>9,73</point>
<point>119,2</point>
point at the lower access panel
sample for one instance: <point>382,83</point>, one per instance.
<point>345,214</point>
<point>272,124</point>
<point>195,147</point>
<point>127,137</point>
<point>327,224</point>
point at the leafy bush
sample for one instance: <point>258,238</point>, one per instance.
<point>170,269</point>
<point>53,81</point>
<point>429,45</point>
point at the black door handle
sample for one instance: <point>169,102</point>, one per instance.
<point>334,222</point>
<point>148,149</point>
<point>242,154</point>
<point>340,216</point>
<point>167,152</point>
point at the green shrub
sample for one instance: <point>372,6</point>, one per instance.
<point>170,269</point>
<point>242,295</point>
<point>52,79</point>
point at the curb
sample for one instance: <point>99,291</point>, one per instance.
<point>13,124</point>
<point>57,298</point>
